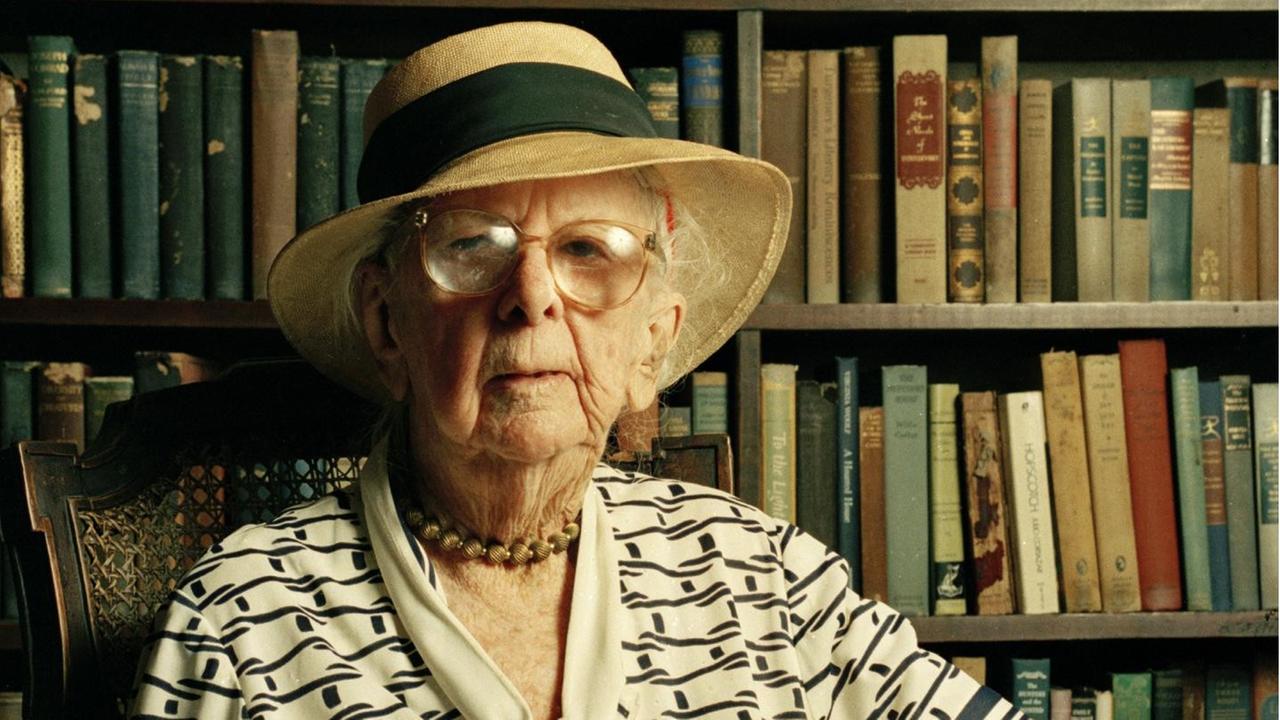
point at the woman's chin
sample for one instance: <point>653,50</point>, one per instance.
<point>534,437</point>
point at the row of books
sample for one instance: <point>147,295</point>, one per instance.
<point>1118,485</point>
<point>135,182</point>
<point>1009,190</point>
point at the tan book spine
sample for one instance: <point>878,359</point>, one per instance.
<point>1091,135</point>
<point>783,139</point>
<point>778,440</point>
<point>920,199</point>
<point>13,264</point>
<point>1000,166</point>
<point>1268,187</point>
<point>1035,198</point>
<point>1109,482</point>
<point>1130,227</point>
<point>861,183</point>
<point>1072,498</point>
<point>823,226</point>
<point>988,520</point>
<point>60,402</point>
<point>274,103</point>
<point>1209,182</point>
<point>875,552</point>
<point>966,279</point>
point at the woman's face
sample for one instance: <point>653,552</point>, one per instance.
<point>522,372</point>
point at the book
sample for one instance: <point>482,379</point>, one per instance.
<point>59,410</point>
<point>1172,100</point>
<point>875,569</point>
<point>1237,473</point>
<point>13,251</point>
<point>816,466</point>
<point>47,119</point>
<point>319,116</point>
<point>860,183</point>
<point>1240,96</point>
<point>1059,703</point>
<point>1023,431</point>
<point>702,87</point>
<point>1209,178</point>
<point>659,88</point>
<point>99,392</point>
<point>224,176</point>
<point>159,370</point>
<point>1264,686</point>
<point>1215,494</point>
<point>848,517</point>
<point>973,666</point>
<point>181,132</point>
<point>1084,704</point>
<point>1227,691</point>
<point>1000,166</point>
<point>359,76</point>
<point>710,402</point>
<point>1267,467</point>
<point>920,126</point>
<point>1063,286</point>
<point>966,273</point>
<point>822,227</point>
<point>906,497</point>
<point>988,518</point>
<point>1184,391</point>
<point>1106,705</point>
<point>1072,496</point>
<point>1268,187</point>
<point>947,548</point>
<point>1166,694</point>
<point>778,440</point>
<point>1035,196</point>
<point>91,222</point>
<point>1091,133</point>
<point>673,421</point>
<point>137,178</point>
<point>1131,695</point>
<point>1130,227</point>
<point>17,401</point>
<point>1192,689</point>
<point>784,142</point>
<point>1030,687</point>
<point>1143,370</point>
<point>273,103</point>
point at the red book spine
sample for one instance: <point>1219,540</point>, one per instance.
<point>1143,369</point>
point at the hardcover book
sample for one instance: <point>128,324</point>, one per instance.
<point>1023,431</point>
<point>816,470</point>
<point>659,88</point>
<point>822,237</point>
<point>358,78</point>
<point>1166,694</point>
<point>860,183</point>
<point>920,81</point>
<point>702,89</point>
<point>1084,704</point>
<point>181,133</point>
<point>92,186</point>
<point>1130,228</point>
<point>1268,187</point>
<point>674,421</point>
<point>1030,690</point>
<point>1209,177</point>
<point>1240,96</point>
<point>319,118</point>
<point>1059,703</point>
<point>988,519</point>
<point>1131,696</point>
<point>1227,691</point>
<point>710,402</point>
<point>947,548</point>
<point>1000,166</point>
<point>59,409</point>
<point>1268,487</point>
<point>48,165</point>
<point>778,440</point>
<point>966,278</point>
<point>273,102</point>
<point>13,262</point>
<point>784,142</point>
<point>1091,133</point>
<point>224,176</point>
<point>875,569</point>
<point>1185,391</point>
<point>906,497</point>
<point>1035,197</point>
<point>1215,494</point>
<point>1172,100</point>
<point>848,519</point>
<point>1237,470</point>
<point>138,172</point>
<point>17,401</point>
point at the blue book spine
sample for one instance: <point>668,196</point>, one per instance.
<point>1215,499</point>
<point>848,520</point>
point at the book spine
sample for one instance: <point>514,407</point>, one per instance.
<point>1103,402</point>
<point>91,182</point>
<point>1237,471</point>
<point>181,132</point>
<point>1265,680</point>
<point>99,392</point>
<point>1084,705</point>
<point>224,175</point>
<point>1035,178</point>
<point>138,162</point>
<point>659,88</point>
<point>966,279</point>
<point>702,89</point>
<point>48,165</point>
<point>358,79</point>
<point>1072,497</point>
<point>17,401</point>
<point>1184,384</point>
<point>13,251</point>
<point>848,525</point>
<point>861,182</point>
<point>318,119</point>
<point>906,498</point>
<point>710,402</point>
<point>1030,691</point>
<point>1268,487</point>
<point>1215,494</point>
<point>784,143</point>
<point>1268,188</point>
<point>1091,133</point>
<point>274,142</point>
<point>1022,427</point>
<point>1064,185</point>
<point>1193,690</point>
<point>947,549</point>
<point>1227,692</point>
<point>815,462</point>
<point>919,100</point>
<point>1059,703</point>
<point>778,439</point>
<point>674,421</point>
<point>1000,165</point>
<point>822,235</point>
<point>59,409</point>
<point>875,568</point>
<point>988,520</point>
<point>1242,205</point>
<point>1172,100</point>
<point>1106,705</point>
<point>1209,177</point>
<point>975,667</point>
<point>1132,695</point>
<point>1130,227</point>
<point>1143,371</point>
<point>1166,694</point>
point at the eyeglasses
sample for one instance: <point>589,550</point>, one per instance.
<point>596,263</point>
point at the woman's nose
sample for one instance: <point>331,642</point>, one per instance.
<point>531,296</point>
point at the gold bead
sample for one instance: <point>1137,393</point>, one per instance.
<point>430,530</point>
<point>541,550</point>
<point>450,540</point>
<point>472,548</point>
<point>559,542</point>
<point>497,553</point>
<point>414,518</point>
<point>520,553</point>
<point>572,530</point>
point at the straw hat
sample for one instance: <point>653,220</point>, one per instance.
<point>511,102</point>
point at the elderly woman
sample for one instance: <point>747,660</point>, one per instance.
<point>530,262</point>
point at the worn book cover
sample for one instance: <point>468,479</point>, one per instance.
<point>860,181</point>
<point>1239,95</point>
<point>966,272</point>
<point>947,549</point>
<point>137,178</point>
<point>1267,468</point>
<point>778,440</point>
<point>182,244</point>
<point>1237,464</point>
<point>702,92</point>
<point>1209,177</point>
<point>1268,187</point>
<point>1184,390</point>
<point>1215,494</point>
<point>1172,101</point>
<point>48,165</point>
<point>875,569</point>
<point>1035,197</point>
<point>988,518</point>
<point>1034,547</point>
<point>224,188</point>
<point>822,236</point>
<point>273,101</point>
<point>1000,166</point>
<point>816,467</point>
<point>59,392</point>
<point>1130,227</point>
<point>920,130</point>
<point>906,492</point>
<point>784,142</point>
<point>13,252</point>
<point>659,88</point>
<point>92,176</point>
<point>319,155</point>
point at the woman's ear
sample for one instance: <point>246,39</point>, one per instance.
<point>374,295</point>
<point>663,328</point>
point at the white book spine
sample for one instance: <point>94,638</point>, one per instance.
<point>1034,554</point>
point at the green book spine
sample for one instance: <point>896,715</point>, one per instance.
<point>48,145</point>
<point>1268,485</point>
<point>849,519</point>
<point>1169,209</point>
<point>1227,692</point>
<point>1237,472</point>
<point>181,177</point>
<point>92,177</point>
<point>674,421</point>
<point>358,79</point>
<point>1188,454</point>
<point>138,164</point>
<point>778,440</point>
<point>1215,500</point>
<point>318,121</point>
<point>703,89</point>
<point>945,528</point>
<point>906,493</point>
<point>1030,691</point>
<point>224,179</point>
<point>99,392</point>
<point>710,403</point>
<point>659,87</point>
<point>17,401</point>
<point>816,461</point>
<point>1166,694</point>
<point>1131,696</point>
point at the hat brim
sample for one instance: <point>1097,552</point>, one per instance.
<point>742,204</point>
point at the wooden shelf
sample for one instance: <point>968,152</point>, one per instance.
<point>1034,316</point>
<point>812,5</point>
<point>225,314</point>
<point>1089,626</point>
